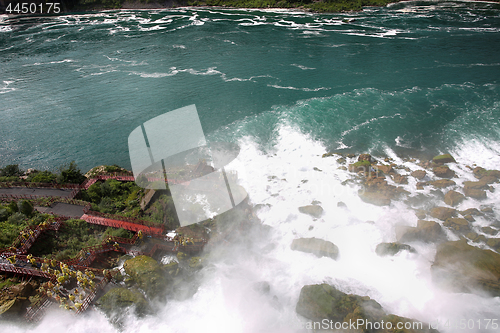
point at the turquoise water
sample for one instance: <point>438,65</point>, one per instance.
<point>418,75</point>
<point>411,79</point>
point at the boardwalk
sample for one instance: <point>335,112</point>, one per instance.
<point>36,192</point>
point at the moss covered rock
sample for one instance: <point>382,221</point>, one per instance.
<point>148,275</point>
<point>118,299</point>
<point>445,158</point>
<point>316,246</point>
<point>461,267</point>
<point>322,301</point>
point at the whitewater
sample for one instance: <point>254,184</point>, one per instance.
<point>411,80</point>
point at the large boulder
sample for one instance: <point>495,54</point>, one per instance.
<point>425,231</point>
<point>148,275</point>
<point>445,158</point>
<point>481,172</point>
<point>457,224</point>
<point>475,193</point>
<point>325,304</point>
<point>419,174</point>
<point>443,213</point>
<point>312,210</point>
<point>443,171</point>
<point>316,246</point>
<point>453,198</point>
<point>118,299</point>
<point>461,267</point>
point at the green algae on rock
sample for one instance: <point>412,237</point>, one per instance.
<point>148,274</point>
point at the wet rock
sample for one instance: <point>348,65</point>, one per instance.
<point>148,275</point>
<point>341,160</point>
<point>419,174</point>
<point>469,218</point>
<point>443,213</point>
<point>445,158</point>
<point>493,243</point>
<point>316,246</point>
<point>443,171</point>
<point>386,169</point>
<point>390,249</point>
<point>365,157</point>
<point>481,172</point>
<point>374,198</point>
<point>453,198</point>
<point>471,211</point>
<point>425,231</point>
<point>489,231</point>
<point>463,268</point>
<point>400,179</point>
<point>486,209</point>
<point>475,193</point>
<point>472,236</point>
<point>312,210</point>
<point>118,299</point>
<point>457,224</point>
<point>421,214</point>
<point>324,302</point>
<point>442,183</point>
<point>341,204</point>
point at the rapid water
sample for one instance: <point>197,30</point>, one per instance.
<point>412,79</point>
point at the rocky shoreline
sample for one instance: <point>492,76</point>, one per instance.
<point>467,257</point>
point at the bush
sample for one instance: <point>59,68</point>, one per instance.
<point>70,174</point>
<point>11,171</point>
<point>17,219</point>
<point>42,177</point>
<point>25,207</point>
<point>4,214</point>
<point>117,233</point>
<point>12,207</point>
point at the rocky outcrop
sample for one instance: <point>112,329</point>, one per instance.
<point>322,301</point>
<point>425,231</point>
<point>118,299</point>
<point>147,274</point>
<point>391,249</point>
<point>464,268</point>
<point>312,210</point>
<point>316,246</point>
<point>453,198</point>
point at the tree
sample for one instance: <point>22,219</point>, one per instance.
<point>70,174</point>
<point>11,170</point>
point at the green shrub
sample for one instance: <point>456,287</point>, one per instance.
<point>11,171</point>
<point>25,207</point>
<point>42,177</point>
<point>4,214</point>
<point>17,219</point>
<point>117,233</point>
<point>70,174</point>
